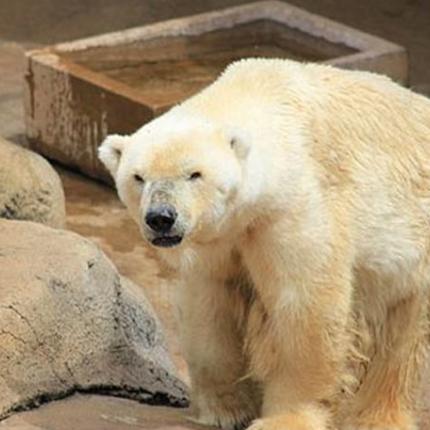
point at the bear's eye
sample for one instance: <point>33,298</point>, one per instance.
<point>138,178</point>
<point>194,176</point>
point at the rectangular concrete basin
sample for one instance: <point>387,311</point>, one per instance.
<point>76,93</point>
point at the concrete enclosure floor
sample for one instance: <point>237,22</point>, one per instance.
<point>94,210</point>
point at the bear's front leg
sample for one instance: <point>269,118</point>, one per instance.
<point>212,340</point>
<point>297,330</point>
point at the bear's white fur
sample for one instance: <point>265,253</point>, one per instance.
<point>301,202</point>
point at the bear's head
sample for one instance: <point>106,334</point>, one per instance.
<point>178,176</point>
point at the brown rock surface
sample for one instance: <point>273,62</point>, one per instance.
<point>30,189</point>
<point>69,322</point>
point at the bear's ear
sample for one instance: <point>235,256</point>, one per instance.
<point>240,146</point>
<point>110,151</point>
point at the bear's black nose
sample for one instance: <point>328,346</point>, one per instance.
<point>161,218</point>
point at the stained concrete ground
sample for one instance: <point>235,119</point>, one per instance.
<point>94,210</point>
<point>93,412</point>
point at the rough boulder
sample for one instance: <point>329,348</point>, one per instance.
<point>30,189</point>
<point>70,323</point>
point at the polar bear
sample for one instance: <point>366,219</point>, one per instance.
<point>294,200</point>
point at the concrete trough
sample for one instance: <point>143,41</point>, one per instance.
<point>78,92</point>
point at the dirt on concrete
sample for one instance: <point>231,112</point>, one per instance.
<point>100,413</point>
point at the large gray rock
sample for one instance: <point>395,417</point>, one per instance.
<point>69,322</point>
<point>30,189</point>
